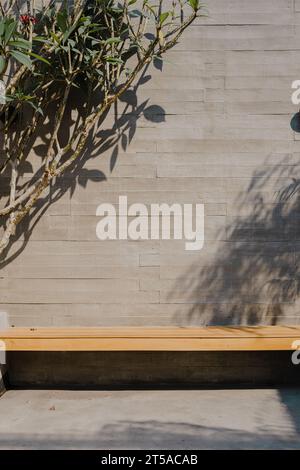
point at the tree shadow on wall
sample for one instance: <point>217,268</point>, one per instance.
<point>102,140</point>
<point>253,277</point>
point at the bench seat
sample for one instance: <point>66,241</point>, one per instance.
<point>213,338</point>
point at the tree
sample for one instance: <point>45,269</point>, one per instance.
<point>98,46</point>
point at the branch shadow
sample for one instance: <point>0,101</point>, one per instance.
<point>101,140</point>
<point>253,277</point>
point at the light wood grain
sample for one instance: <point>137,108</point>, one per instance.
<point>151,339</point>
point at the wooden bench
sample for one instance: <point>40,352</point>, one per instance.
<point>243,338</point>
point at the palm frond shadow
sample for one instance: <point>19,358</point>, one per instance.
<point>253,275</point>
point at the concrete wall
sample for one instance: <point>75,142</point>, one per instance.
<point>212,127</point>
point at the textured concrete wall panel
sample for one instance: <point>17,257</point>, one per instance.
<point>215,130</point>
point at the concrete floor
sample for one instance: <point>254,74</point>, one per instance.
<point>181,419</point>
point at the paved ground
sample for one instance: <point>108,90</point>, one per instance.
<point>190,419</point>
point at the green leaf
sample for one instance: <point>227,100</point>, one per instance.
<point>81,30</point>
<point>22,58</point>
<point>38,109</point>
<point>69,31</point>
<point>7,98</point>
<point>33,54</point>
<point>114,60</point>
<point>9,30</point>
<point>135,13</point>
<point>112,40</point>
<point>95,42</point>
<point>194,4</point>
<point>72,43</point>
<point>62,20</point>
<point>41,39</point>
<point>2,64</point>
<point>21,43</point>
<point>55,37</point>
<point>163,17</point>
<point>2,26</point>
